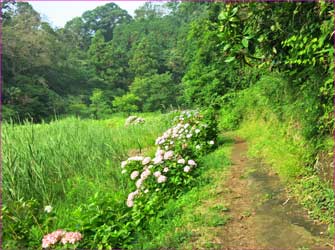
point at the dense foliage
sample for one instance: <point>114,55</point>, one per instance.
<point>254,63</point>
<point>49,71</point>
<point>168,55</point>
<point>60,196</point>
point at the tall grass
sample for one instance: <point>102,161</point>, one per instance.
<point>48,162</point>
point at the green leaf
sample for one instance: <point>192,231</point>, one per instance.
<point>230,59</point>
<point>226,47</point>
<point>222,15</point>
<point>245,42</point>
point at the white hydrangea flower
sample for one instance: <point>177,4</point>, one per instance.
<point>136,158</point>
<point>181,161</point>
<point>48,209</point>
<point>124,164</point>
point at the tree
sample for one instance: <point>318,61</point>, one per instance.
<point>105,18</point>
<point>149,11</point>
<point>99,106</point>
<point>127,103</point>
<point>156,92</point>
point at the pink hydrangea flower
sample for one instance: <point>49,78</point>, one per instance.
<point>159,152</point>
<point>71,237</point>
<point>131,197</point>
<point>52,238</point>
<point>134,174</point>
<point>130,203</point>
<point>157,174</point>
<point>166,169</point>
<point>161,179</point>
<point>146,160</point>
<point>191,163</point>
<point>158,160</point>
<point>168,155</point>
<point>139,183</point>
<point>145,174</point>
<point>62,236</point>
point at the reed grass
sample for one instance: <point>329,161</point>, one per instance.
<point>48,162</point>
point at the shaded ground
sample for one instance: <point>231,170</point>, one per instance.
<point>262,215</point>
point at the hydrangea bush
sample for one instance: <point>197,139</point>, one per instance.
<point>172,168</point>
<point>60,236</point>
<point>109,221</point>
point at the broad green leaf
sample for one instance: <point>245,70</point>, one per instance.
<point>245,42</point>
<point>230,59</point>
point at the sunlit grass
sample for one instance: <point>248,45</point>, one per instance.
<point>49,162</point>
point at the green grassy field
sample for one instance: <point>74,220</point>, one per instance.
<point>47,161</point>
<point>65,162</point>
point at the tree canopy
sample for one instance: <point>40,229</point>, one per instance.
<point>169,55</point>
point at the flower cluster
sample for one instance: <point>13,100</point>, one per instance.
<point>60,236</point>
<point>174,159</point>
<point>190,133</point>
<point>134,120</point>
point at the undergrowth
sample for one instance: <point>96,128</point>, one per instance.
<point>280,130</point>
<point>190,217</point>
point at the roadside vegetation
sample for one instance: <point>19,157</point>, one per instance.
<point>260,71</point>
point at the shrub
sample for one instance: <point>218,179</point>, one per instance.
<point>173,168</point>
<point>127,103</point>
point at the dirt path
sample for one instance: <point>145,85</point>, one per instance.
<point>262,214</point>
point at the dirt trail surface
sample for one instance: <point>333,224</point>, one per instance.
<point>262,214</point>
